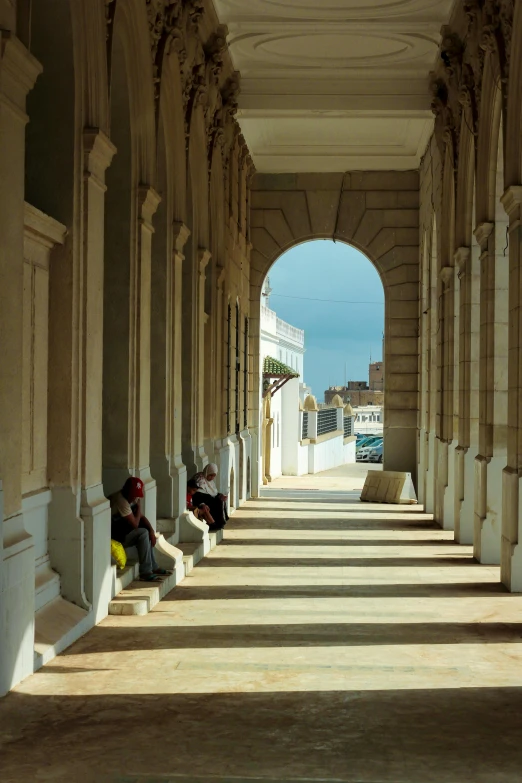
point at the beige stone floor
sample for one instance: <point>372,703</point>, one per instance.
<point>323,640</point>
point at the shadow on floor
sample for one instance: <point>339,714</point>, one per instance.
<point>336,542</point>
<point>103,639</point>
<point>328,523</point>
<point>391,736</point>
<point>426,590</point>
<point>339,562</point>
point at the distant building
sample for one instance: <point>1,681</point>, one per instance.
<point>361,393</point>
<point>369,419</point>
<point>377,376</point>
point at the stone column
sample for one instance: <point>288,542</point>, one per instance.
<point>201,398</point>
<point>490,460</point>
<point>255,392</point>
<point>464,468</point>
<point>18,73</point>
<point>178,470</point>
<point>511,552</point>
<point>139,397</point>
<point>445,489</point>
<point>79,517</point>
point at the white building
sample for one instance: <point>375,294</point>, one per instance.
<point>286,343</point>
<point>297,437</point>
<point>369,419</point>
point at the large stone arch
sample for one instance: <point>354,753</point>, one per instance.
<point>131,23</point>
<point>377,213</point>
<point>513,152</point>
<point>172,115</point>
<point>488,137</point>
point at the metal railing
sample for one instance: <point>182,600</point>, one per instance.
<point>304,434</point>
<point>326,421</point>
<point>348,426</point>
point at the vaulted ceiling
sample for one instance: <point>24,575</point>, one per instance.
<point>334,85</point>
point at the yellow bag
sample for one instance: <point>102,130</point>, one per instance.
<point>118,553</point>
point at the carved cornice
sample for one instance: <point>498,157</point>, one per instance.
<point>148,202</point>
<point>456,83</point>
<point>204,257</point>
<point>483,233</point>
<point>462,258</point>
<point>180,235</point>
<point>446,274</point>
<point>511,200</point>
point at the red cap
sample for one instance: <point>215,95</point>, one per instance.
<point>136,487</point>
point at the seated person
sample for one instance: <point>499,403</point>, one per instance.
<point>131,528</point>
<point>201,511</point>
<point>209,495</point>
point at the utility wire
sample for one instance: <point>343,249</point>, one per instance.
<point>335,301</point>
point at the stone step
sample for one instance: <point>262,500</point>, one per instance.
<point>57,626</point>
<point>138,598</point>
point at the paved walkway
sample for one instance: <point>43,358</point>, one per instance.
<point>323,640</point>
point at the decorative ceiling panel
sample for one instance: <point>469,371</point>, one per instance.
<point>329,85</point>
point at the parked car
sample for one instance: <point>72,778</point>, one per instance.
<point>376,453</point>
<point>370,440</point>
<point>363,454</point>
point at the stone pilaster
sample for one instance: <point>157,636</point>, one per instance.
<point>139,397</point>
<point>178,470</point>
<point>200,398</point>
<point>511,553</point>
<point>464,453</point>
<point>488,463</point>
<point>18,73</point>
<point>95,512</point>
<point>445,488</point>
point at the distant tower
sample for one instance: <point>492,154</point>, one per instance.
<point>267,290</point>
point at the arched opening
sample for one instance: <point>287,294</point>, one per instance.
<point>321,363</point>
<point>50,242</point>
<point>117,277</point>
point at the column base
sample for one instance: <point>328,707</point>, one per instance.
<point>16,603</point>
<point>431,477</point>
<point>511,551</point>
<point>96,515</point>
<point>465,515</point>
<point>488,509</point>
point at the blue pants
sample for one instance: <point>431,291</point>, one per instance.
<point>139,537</point>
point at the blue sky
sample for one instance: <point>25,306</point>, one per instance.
<point>335,332</point>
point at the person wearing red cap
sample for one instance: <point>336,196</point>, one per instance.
<point>131,528</point>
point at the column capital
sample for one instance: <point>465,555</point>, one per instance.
<point>446,275</point>
<point>511,200</point>
<point>180,235</point>
<point>462,257</point>
<point>204,257</point>
<point>483,232</point>
<point>148,202</point>
<point>19,70</point>
<point>98,151</point>
<point>221,276</point>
